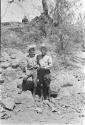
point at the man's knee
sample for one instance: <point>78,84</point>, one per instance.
<point>47,80</point>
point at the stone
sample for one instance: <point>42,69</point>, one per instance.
<point>1,70</point>
<point>1,79</point>
<point>5,64</point>
<point>65,92</point>
<point>66,79</point>
<point>5,115</point>
<point>12,85</point>
<point>1,109</point>
<point>17,100</point>
<point>25,98</point>
<point>14,64</point>
<point>38,110</point>
<point>5,57</point>
<point>19,83</point>
<point>8,103</point>
<point>13,56</point>
<point>9,74</point>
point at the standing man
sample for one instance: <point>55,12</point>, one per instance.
<point>31,68</point>
<point>45,63</point>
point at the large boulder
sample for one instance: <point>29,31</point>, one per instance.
<point>77,60</point>
<point>4,56</point>
<point>67,79</point>
<point>25,98</point>
<point>11,88</point>
<point>5,65</point>
<point>15,54</point>
<point>9,74</point>
<point>8,103</point>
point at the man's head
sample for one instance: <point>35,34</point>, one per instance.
<point>31,50</point>
<point>43,50</point>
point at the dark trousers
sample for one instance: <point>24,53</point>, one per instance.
<point>44,81</point>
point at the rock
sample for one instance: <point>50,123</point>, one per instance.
<point>11,85</point>
<point>68,79</point>
<point>1,70</point>
<point>5,57</point>
<point>67,91</point>
<point>50,104</point>
<point>19,83</point>
<point>5,64</point>
<point>11,88</point>
<point>9,74</point>
<point>14,64</point>
<point>8,103</point>
<point>25,98</point>
<point>13,56</point>
<point>19,91</point>
<point>38,110</point>
<point>1,79</point>
<point>17,100</point>
<point>1,109</point>
<point>5,116</point>
<point>52,100</point>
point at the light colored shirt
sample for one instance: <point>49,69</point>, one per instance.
<point>31,62</point>
<point>46,62</point>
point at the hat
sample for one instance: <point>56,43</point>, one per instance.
<point>31,46</point>
<point>43,46</point>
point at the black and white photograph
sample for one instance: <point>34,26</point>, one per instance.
<point>42,62</point>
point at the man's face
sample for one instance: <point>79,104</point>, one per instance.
<point>32,52</point>
<point>43,51</point>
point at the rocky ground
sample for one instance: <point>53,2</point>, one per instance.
<point>67,103</point>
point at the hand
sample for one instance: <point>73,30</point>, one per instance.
<point>24,70</point>
<point>37,66</point>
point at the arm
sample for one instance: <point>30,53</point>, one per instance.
<point>38,59</point>
<point>49,63</point>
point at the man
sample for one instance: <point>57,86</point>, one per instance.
<point>45,63</point>
<point>31,67</point>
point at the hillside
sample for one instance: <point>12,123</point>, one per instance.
<point>68,73</point>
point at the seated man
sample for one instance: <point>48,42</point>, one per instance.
<point>31,67</point>
<point>45,63</point>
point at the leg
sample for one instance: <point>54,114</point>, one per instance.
<point>40,77</point>
<point>47,80</point>
<point>42,91</point>
<point>34,77</point>
<point>27,75</point>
